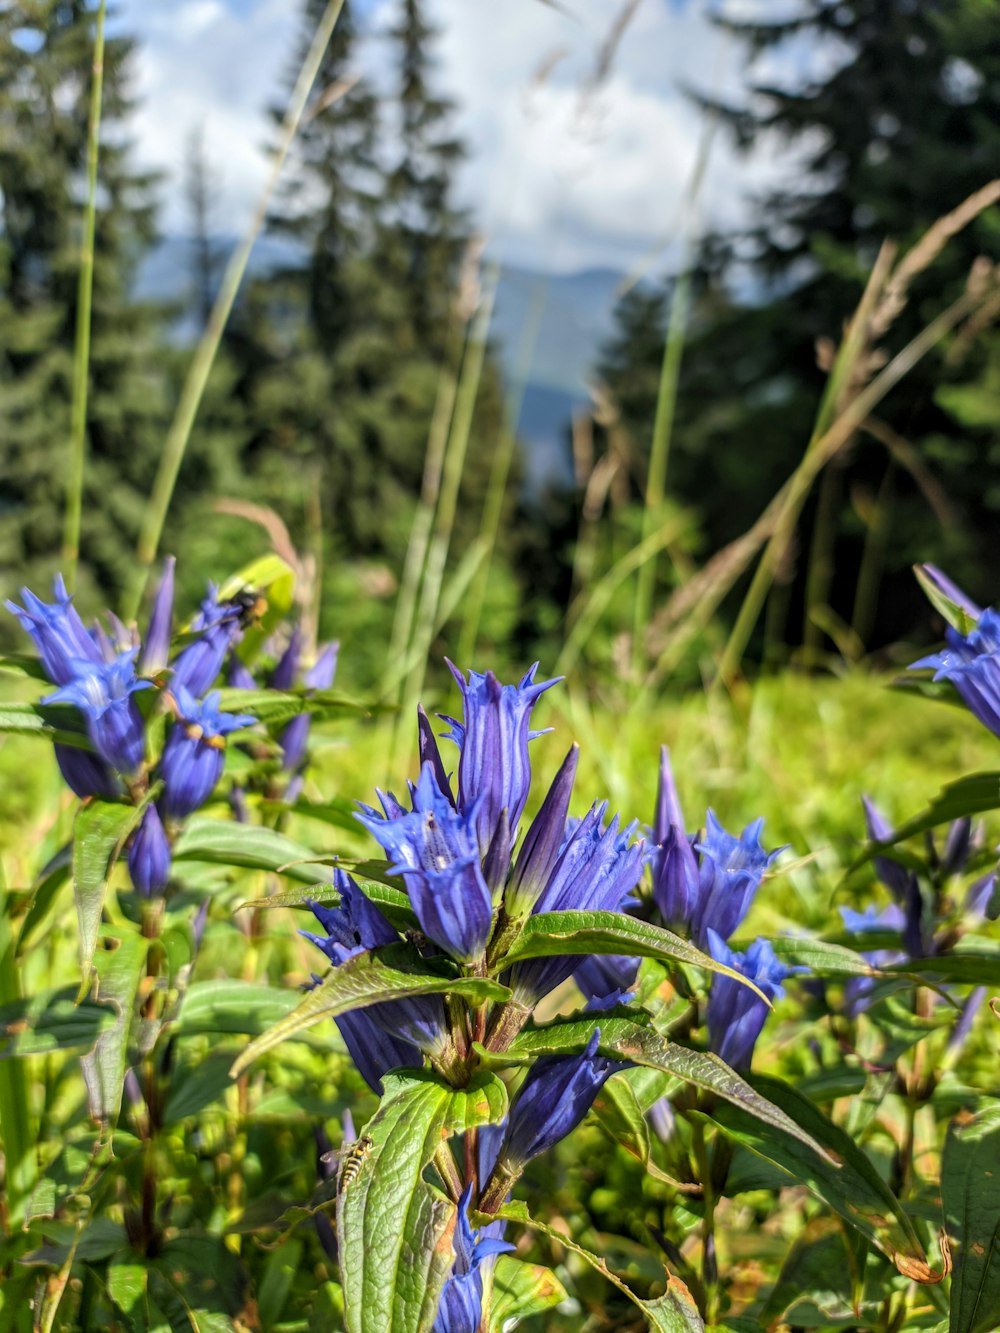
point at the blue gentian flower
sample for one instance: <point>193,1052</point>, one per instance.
<point>103,691</point>
<point>461,1307</point>
<point>62,639</point>
<point>735,1014</point>
<point>596,871</point>
<point>893,875</point>
<point>971,662</point>
<point>156,644</point>
<point>86,774</point>
<point>858,990</point>
<point>557,1093</point>
<point>543,842</point>
<point>606,978</point>
<point>494,770</point>
<point>295,736</point>
<point>729,875</point>
<point>218,627</point>
<point>149,855</point>
<point>382,1036</point>
<point>434,848</point>
<point>193,755</point>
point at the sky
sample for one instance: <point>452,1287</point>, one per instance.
<point>564,173</point>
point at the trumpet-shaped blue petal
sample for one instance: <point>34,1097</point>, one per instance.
<point>735,1014</point>
<point>194,753</point>
<point>596,871</point>
<point>434,848</point>
<point>353,926</point>
<point>730,873</point>
<point>557,1093</point>
<point>494,770</point>
<point>461,1306</point>
<point>102,691</point>
<point>156,645</point>
<point>149,855</point>
<point>62,639</point>
<point>218,626</point>
<point>295,736</point>
<point>972,663</point>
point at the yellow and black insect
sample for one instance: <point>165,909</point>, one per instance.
<point>251,606</point>
<point>352,1159</point>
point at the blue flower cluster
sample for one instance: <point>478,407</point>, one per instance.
<point>971,661</point>
<point>99,672</point>
<point>704,887</point>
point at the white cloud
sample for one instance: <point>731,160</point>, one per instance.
<point>561,175</point>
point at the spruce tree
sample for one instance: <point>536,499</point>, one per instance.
<point>902,125</point>
<point>46,57</point>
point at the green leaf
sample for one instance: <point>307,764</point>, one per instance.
<point>363,980</point>
<point>45,890</point>
<point>855,1190</point>
<point>195,1084</point>
<point>520,1290</point>
<point>956,616</point>
<point>52,722</point>
<point>626,1040</point>
<point>673,1312</point>
<point>554,933</point>
<point>224,842</point>
<point>969,1176</point>
<point>274,707</point>
<point>127,1283</point>
<point>118,973</point>
<point>232,1006</point>
<point>395,1229</point>
<point>971,795</point>
<point>51,1021</point>
<point>822,957</point>
<point>979,965</point>
<point>99,833</point>
<point>393,902</point>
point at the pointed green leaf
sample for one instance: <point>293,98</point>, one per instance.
<point>224,842</point>
<point>823,958</point>
<point>626,1040</point>
<point>232,1006</point>
<point>970,1171</point>
<point>552,933</point>
<point>950,611</point>
<point>395,1229</point>
<point>363,980</point>
<point>52,722</point>
<point>99,833</point>
<point>673,1312</point>
<point>520,1290</point>
<point>51,1021</point>
<point>854,1189</point>
<point>118,973</point>
<point>971,795</point>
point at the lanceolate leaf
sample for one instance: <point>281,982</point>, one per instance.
<point>99,833</point>
<point>232,1006</point>
<point>969,1189</point>
<point>520,1290</point>
<point>970,795</point>
<point>822,958</point>
<point>554,933</point>
<point>53,722</point>
<point>673,1312</point>
<point>51,1021</point>
<point>855,1190</point>
<point>224,842</point>
<point>625,1040</point>
<point>394,1228</point>
<point>393,902</point>
<point>118,973</point>
<point>361,981</point>
<point>275,706</point>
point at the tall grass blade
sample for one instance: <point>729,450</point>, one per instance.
<point>444,522</point>
<point>179,433</point>
<point>84,304</point>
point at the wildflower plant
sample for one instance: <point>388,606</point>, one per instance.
<point>439,962</point>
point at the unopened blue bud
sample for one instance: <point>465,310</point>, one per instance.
<point>735,1014</point>
<point>149,855</point>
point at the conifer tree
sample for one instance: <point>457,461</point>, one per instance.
<point>46,57</point>
<point>901,125</point>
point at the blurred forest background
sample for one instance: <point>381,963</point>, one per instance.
<point>363,396</point>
